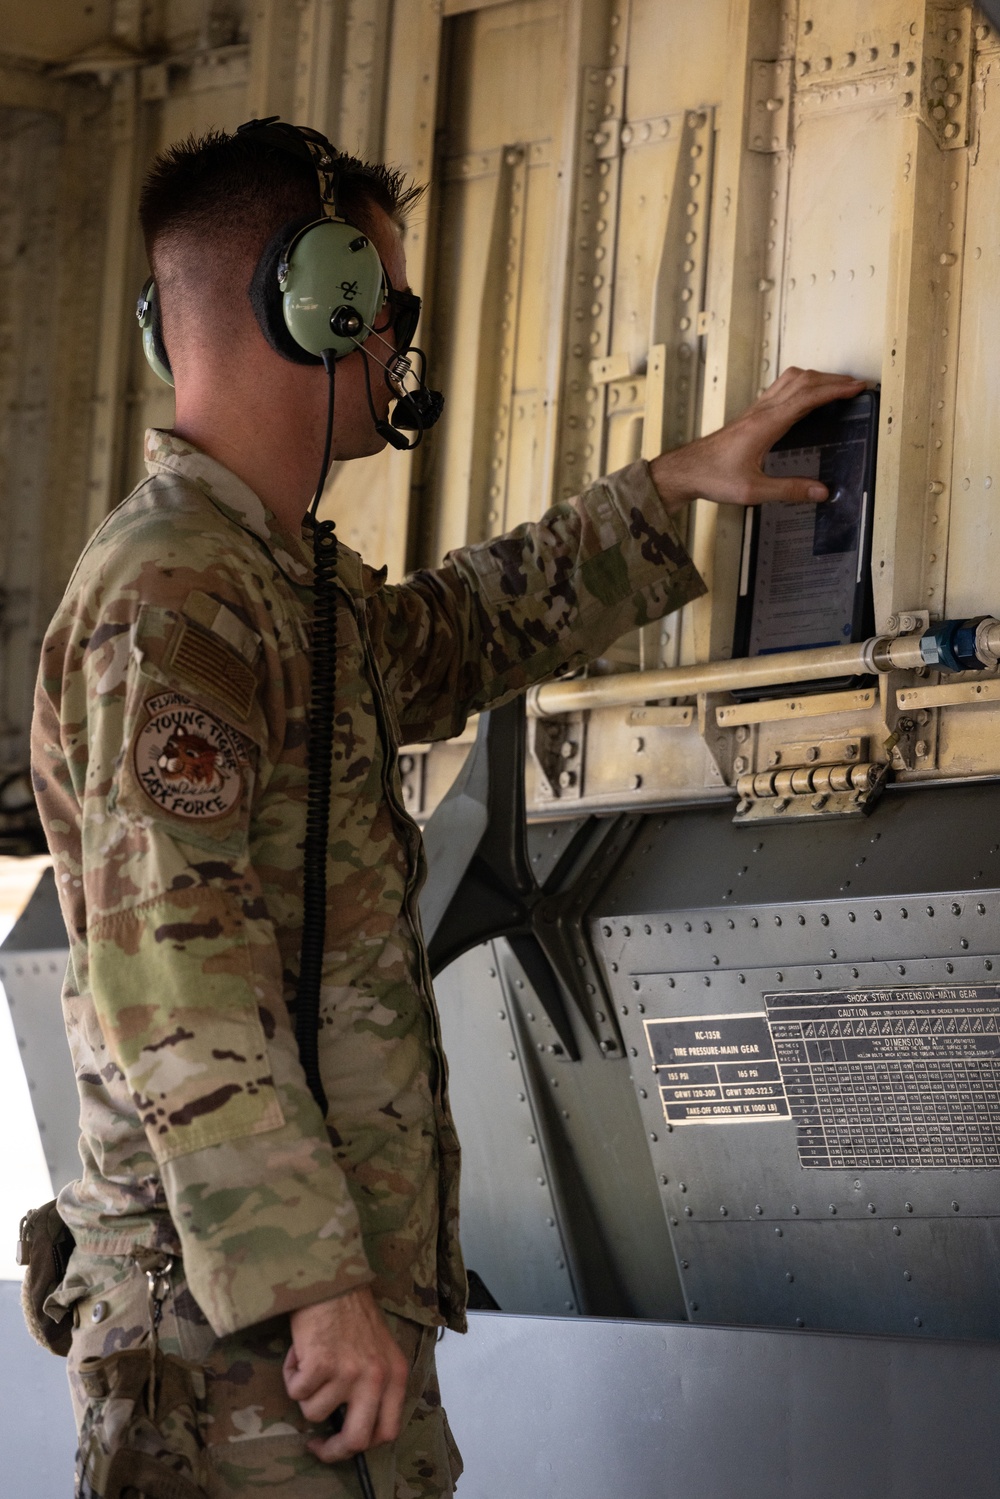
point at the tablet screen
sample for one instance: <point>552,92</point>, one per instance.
<point>804,575</point>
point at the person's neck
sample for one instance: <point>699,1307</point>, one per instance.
<point>267,443</point>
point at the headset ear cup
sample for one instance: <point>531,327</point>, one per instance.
<point>265,296</point>
<point>155,350</point>
<point>159,347</point>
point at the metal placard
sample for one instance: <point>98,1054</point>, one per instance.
<point>892,1077</point>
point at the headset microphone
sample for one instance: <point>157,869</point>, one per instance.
<point>393,438</point>
<point>418,410</point>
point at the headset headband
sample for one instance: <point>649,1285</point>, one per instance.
<point>307,145</point>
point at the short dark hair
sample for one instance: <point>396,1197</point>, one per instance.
<point>239,191</point>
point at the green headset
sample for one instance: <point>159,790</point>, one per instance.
<point>318,290</point>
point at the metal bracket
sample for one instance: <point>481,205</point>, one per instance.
<point>770,105</point>
<point>908,622</point>
<point>672,380</point>
<point>721,746</point>
<point>848,751</point>
<point>482,885</point>
<point>556,745</point>
<point>606,137</point>
<point>942,97</point>
<point>594,244</point>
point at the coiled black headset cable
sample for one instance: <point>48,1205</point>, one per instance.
<point>322,704</point>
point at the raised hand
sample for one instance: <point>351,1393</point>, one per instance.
<point>726,465</point>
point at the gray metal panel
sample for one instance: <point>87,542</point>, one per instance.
<point>759,1237</point>
<point>603,1185</point>
<point>510,1230</point>
<point>581,1409</point>
<point>37,1435</point>
<point>918,838</point>
<point>33,982</point>
<point>607,1248</point>
<point>32,966</point>
<point>40,925</point>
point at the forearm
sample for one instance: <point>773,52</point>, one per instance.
<point>554,593</point>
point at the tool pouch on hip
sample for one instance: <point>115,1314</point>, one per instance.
<point>143,1431</point>
<point>44,1246</point>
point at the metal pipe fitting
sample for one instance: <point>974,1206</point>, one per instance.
<point>635,687</point>
<point>951,641</point>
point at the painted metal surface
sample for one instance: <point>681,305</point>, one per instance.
<point>32,965</point>
<point>715,923</point>
<point>584,1409</point>
<point>37,1434</point>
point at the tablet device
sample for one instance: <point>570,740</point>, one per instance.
<point>805,570</point>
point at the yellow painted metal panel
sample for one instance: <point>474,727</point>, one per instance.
<point>838,239</point>
<point>973,543</point>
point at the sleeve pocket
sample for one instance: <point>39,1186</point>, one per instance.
<point>174,985</point>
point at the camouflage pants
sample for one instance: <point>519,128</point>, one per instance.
<point>256,1435</point>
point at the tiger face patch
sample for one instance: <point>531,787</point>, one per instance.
<point>186,760</point>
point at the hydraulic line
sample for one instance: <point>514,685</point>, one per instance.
<point>951,645</point>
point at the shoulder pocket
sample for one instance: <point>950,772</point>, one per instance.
<point>208,653</point>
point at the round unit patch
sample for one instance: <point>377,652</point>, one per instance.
<point>186,760</point>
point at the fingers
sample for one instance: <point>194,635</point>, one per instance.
<point>358,1431</point>
<point>797,392</point>
<point>726,466</point>
<point>794,490</point>
<point>374,1413</point>
<point>390,1414</point>
<point>343,1354</point>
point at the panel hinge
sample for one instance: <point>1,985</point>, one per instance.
<point>801,793</point>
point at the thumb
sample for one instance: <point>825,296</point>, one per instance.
<point>792,489</point>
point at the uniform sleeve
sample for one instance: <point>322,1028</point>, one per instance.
<point>162,724</point>
<point>548,597</point>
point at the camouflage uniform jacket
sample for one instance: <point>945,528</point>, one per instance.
<point>170,767</point>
